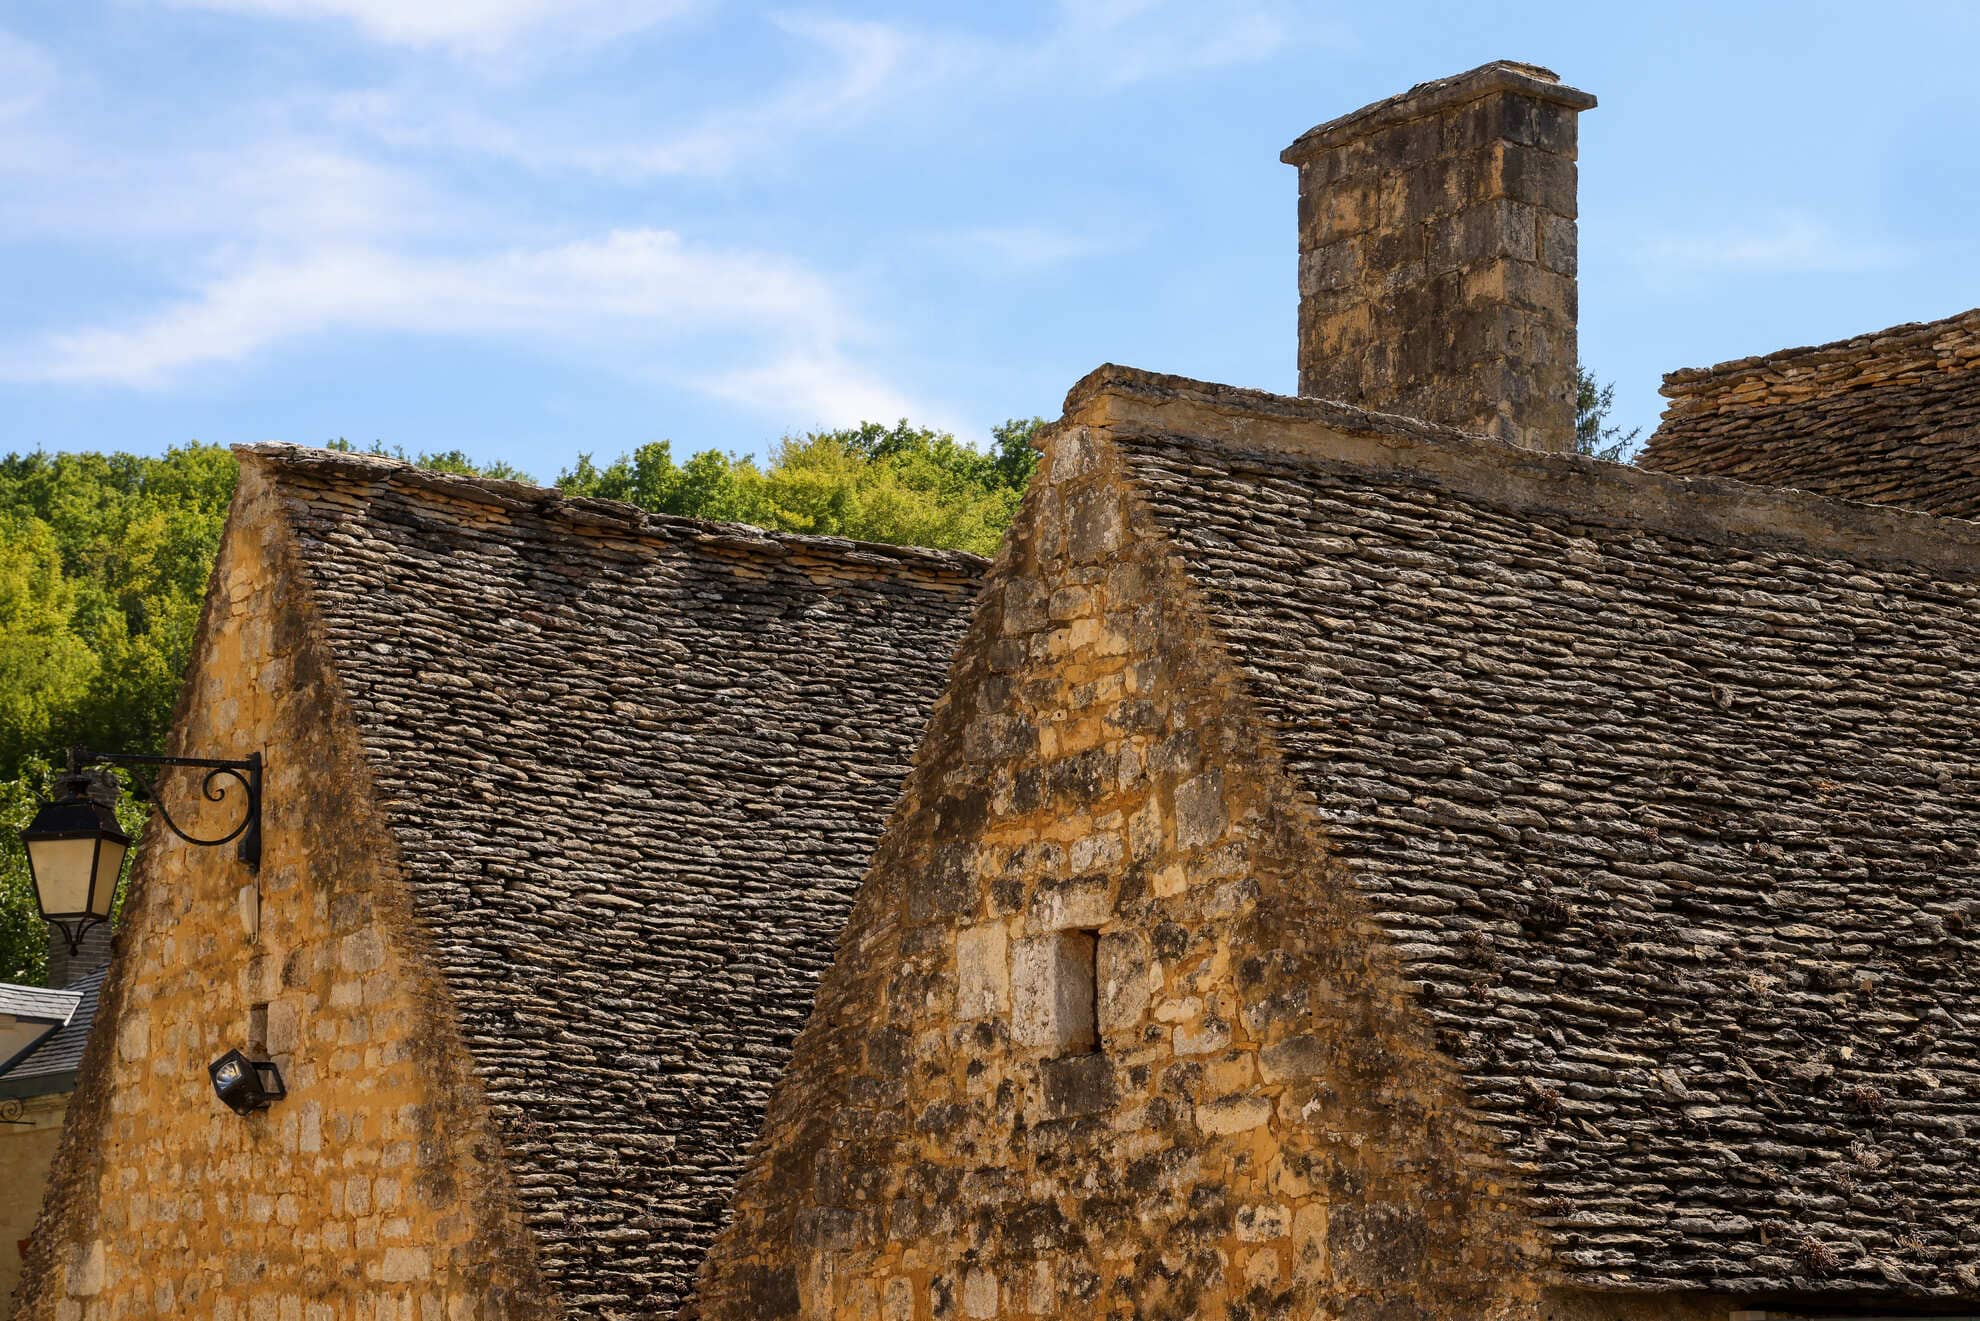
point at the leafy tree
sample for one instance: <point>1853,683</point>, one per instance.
<point>903,484</point>
<point>454,461</point>
<point>1593,433</point>
<point>104,560</point>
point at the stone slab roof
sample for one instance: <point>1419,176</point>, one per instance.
<point>635,766</point>
<point>51,1066</point>
<point>1891,417</point>
<point>1666,790</point>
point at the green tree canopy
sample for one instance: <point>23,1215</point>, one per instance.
<point>903,484</point>
<point>1594,435</point>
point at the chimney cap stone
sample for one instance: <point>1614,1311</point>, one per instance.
<point>1438,96</point>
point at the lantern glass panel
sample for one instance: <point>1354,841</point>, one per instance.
<point>63,871</point>
<point>109,863</point>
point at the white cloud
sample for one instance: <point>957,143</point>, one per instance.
<point>1031,247</point>
<point>1790,244</point>
<point>27,76</point>
<point>644,284</point>
<point>865,70</point>
<point>1118,43</point>
<point>470,25</point>
<point>817,387</point>
<point>290,193</point>
<point>281,222</point>
<point>642,300</point>
<point>865,64</point>
<point>867,59</point>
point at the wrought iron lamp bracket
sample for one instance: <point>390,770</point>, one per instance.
<point>246,772</point>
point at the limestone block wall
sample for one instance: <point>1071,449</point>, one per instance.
<point>27,1148</point>
<point>1244,1123</point>
<point>375,1191</point>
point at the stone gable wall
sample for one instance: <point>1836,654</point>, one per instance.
<point>374,1191</point>
<point>1263,1131</point>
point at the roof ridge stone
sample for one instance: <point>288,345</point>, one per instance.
<point>588,512</point>
<point>1893,343</point>
<point>1327,431</point>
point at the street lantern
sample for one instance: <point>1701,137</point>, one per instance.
<point>75,852</point>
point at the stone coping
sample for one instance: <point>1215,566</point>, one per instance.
<point>589,513</point>
<point>1435,97</point>
<point>1711,508</point>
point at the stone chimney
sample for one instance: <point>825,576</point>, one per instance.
<point>1437,254</point>
<point>66,969</point>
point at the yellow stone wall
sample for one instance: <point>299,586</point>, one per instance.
<point>375,1191</point>
<point>1264,1131</point>
<point>27,1147</point>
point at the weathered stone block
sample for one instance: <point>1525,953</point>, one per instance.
<point>1233,1114</point>
<point>983,977</point>
<point>1295,1057</point>
<point>1124,978</point>
<point>1068,905</point>
<point>1078,1085</point>
<point>1200,809</point>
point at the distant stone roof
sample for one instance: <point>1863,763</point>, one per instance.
<point>1668,795</point>
<point>635,766</point>
<point>1891,417</point>
<point>38,1002</point>
<point>51,1066</point>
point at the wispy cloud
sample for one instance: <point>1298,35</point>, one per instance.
<point>819,386</point>
<point>469,25</point>
<point>338,211</point>
<point>1028,247</point>
<point>291,192</point>
<point>1787,245</point>
<point>851,72</point>
<point>1116,43</point>
<point>27,75</point>
<point>861,64</point>
<point>639,287</point>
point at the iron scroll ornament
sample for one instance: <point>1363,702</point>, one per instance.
<point>213,788</point>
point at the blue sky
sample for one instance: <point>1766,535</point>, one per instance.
<point>529,228</point>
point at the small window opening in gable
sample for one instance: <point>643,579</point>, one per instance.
<point>1056,993</point>
<point>1079,970</point>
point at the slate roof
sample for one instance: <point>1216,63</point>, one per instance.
<point>1668,793</point>
<point>51,1066</point>
<point>1891,417</point>
<point>38,1002</point>
<point>635,765</point>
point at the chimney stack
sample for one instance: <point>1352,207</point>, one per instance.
<point>65,969</point>
<point>1437,254</point>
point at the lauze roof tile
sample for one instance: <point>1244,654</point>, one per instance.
<point>1668,793</point>
<point>635,766</point>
